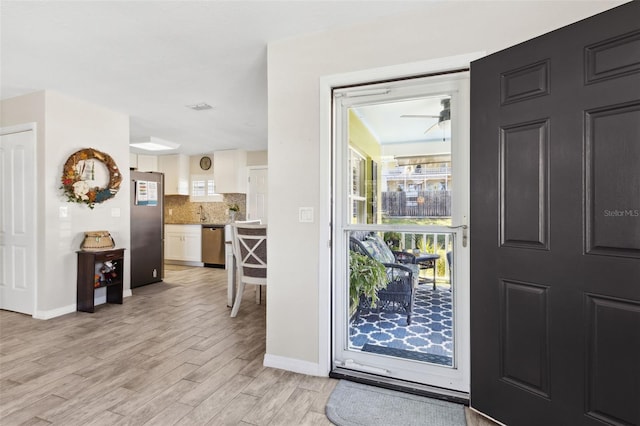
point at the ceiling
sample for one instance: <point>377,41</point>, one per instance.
<point>408,121</point>
<point>150,59</point>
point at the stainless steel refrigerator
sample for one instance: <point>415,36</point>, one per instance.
<point>147,228</point>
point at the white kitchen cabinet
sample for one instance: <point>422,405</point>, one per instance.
<point>143,163</point>
<point>176,173</point>
<point>147,163</point>
<point>183,243</point>
<point>133,161</point>
<point>230,171</point>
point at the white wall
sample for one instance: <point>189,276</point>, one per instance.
<point>294,68</point>
<point>257,158</point>
<point>66,125</point>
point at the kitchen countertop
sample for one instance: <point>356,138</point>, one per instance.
<point>206,225</point>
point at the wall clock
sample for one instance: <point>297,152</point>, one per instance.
<point>205,163</point>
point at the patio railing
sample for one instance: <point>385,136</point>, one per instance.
<point>416,203</point>
<point>428,242</point>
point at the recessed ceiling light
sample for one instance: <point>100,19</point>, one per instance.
<point>200,107</point>
<point>151,143</point>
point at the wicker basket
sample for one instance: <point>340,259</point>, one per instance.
<point>97,240</point>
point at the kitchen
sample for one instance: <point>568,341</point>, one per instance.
<point>200,193</point>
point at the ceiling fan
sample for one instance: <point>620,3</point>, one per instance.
<point>444,118</point>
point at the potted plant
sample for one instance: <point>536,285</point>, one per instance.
<point>366,277</point>
<point>393,240</point>
<point>417,243</point>
<point>233,211</point>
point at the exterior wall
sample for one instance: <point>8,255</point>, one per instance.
<point>295,67</point>
<point>66,125</point>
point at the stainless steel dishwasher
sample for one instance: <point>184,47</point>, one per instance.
<point>213,246</point>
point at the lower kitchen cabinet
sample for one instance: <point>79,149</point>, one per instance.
<point>183,243</point>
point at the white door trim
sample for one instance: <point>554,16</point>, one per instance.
<point>20,128</point>
<point>249,169</point>
<point>327,83</point>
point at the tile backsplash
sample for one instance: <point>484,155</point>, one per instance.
<point>185,211</point>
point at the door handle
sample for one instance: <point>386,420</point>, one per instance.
<point>464,233</point>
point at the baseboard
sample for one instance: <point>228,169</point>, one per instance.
<point>99,300</point>
<point>183,262</point>
<point>294,365</point>
<point>44,315</point>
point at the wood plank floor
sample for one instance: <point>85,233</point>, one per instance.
<point>169,355</point>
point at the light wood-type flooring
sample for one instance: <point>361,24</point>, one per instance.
<point>169,355</point>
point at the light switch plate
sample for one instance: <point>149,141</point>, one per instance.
<point>305,215</point>
<point>64,211</point>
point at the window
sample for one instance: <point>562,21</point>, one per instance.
<point>203,189</point>
<point>357,194</point>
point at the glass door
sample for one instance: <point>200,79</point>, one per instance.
<point>400,215</point>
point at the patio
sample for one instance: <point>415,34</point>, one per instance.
<point>429,337</point>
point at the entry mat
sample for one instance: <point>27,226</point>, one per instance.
<point>355,404</point>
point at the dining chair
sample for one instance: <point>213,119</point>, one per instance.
<point>249,244</point>
<point>259,287</point>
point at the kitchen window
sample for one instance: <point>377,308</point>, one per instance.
<point>203,189</point>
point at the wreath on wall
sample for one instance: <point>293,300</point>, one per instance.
<point>90,176</point>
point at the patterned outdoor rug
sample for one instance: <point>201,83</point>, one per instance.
<point>403,353</point>
<point>430,332</point>
<point>355,404</point>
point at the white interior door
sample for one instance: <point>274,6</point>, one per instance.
<point>17,221</point>
<point>417,190</point>
<point>257,194</point>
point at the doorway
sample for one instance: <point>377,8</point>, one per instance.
<point>401,208</point>
<point>18,233</point>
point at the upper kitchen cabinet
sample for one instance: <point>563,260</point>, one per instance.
<point>230,171</point>
<point>143,163</point>
<point>148,163</point>
<point>176,173</point>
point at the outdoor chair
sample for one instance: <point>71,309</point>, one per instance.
<point>249,242</point>
<point>399,293</point>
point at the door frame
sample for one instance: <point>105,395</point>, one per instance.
<point>249,169</point>
<point>325,209</point>
<point>455,379</point>
<point>33,128</point>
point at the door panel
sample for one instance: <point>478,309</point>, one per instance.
<point>612,226</point>
<point>555,202</point>
<point>17,222</point>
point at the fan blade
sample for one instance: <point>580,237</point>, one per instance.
<point>431,128</point>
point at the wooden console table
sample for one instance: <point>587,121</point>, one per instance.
<point>89,264</point>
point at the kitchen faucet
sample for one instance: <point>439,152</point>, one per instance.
<point>203,216</point>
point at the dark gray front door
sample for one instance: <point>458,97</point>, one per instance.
<point>555,232</point>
